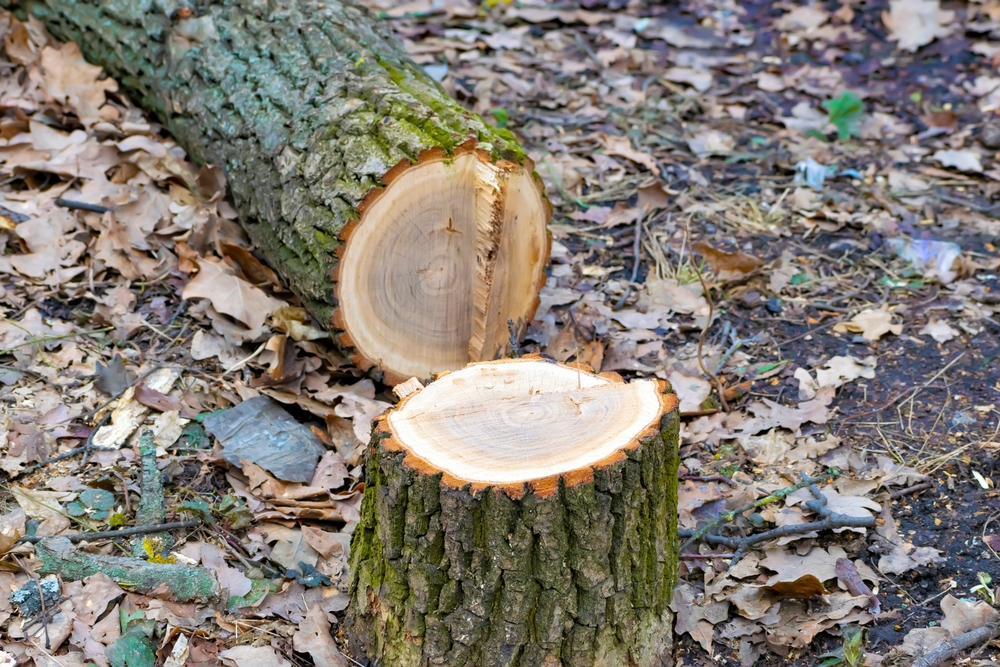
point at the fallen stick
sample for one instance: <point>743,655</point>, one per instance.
<point>774,497</point>
<point>182,583</point>
<point>829,521</point>
<point>113,534</point>
<point>916,488</point>
<point>956,645</point>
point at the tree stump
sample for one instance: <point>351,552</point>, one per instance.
<point>519,513</point>
<point>405,223</point>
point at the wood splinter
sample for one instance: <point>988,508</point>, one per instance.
<point>519,513</point>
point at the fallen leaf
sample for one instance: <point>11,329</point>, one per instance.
<point>252,656</point>
<point>767,449</point>
<point>692,391</point>
<point>230,294</point>
<point>728,265</point>
<point>313,637</point>
<point>711,142</point>
<point>939,331</point>
<point>622,147</point>
<point>806,18</point>
<point>700,80</point>
<point>915,23</point>
<point>70,79</point>
<point>963,160</point>
<point>803,588</point>
<point>871,324</point>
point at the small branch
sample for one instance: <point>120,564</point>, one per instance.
<point>774,497</point>
<point>152,508</point>
<point>916,488</point>
<point>114,534</point>
<point>182,583</point>
<point>514,351</point>
<point>76,451</point>
<point>48,339</point>
<point>829,521</point>
<point>82,206</point>
<point>708,478</point>
<point>719,387</point>
<point>636,261</point>
<point>956,645</point>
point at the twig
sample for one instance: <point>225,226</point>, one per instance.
<point>966,203</point>
<point>916,488</point>
<point>708,478</point>
<point>701,338</point>
<point>76,451</point>
<point>514,352</point>
<point>827,325</point>
<point>122,532</point>
<point>41,600</point>
<point>47,339</point>
<point>772,497</point>
<point>702,556</point>
<point>956,645</point>
<point>912,397</point>
<point>737,344</point>
<point>636,259</point>
<point>819,507</point>
<point>830,520</point>
<point>82,206</point>
<point>122,392</point>
<point>152,509</point>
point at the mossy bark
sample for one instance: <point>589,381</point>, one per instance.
<point>581,578</point>
<point>306,104</point>
<point>183,583</point>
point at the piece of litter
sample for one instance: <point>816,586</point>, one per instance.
<point>262,432</point>
<point>935,259</point>
<point>811,173</point>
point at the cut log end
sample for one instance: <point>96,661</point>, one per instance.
<point>524,422</point>
<point>441,259</point>
<point>519,513</point>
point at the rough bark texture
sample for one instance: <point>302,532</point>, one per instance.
<point>306,104</point>
<point>580,578</point>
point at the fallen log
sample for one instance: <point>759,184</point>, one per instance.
<point>519,513</point>
<point>405,223</point>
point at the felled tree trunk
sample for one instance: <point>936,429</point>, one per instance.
<point>404,222</point>
<point>519,513</point>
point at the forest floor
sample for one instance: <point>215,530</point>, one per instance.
<point>796,204</point>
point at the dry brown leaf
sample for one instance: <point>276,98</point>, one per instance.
<point>231,295</point>
<point>70,79</point>
<point>871,324</point>
<point>803,588</point>
<point>728,265</point>
<point>915,23</point>
<point>622,147</point>
<point>313,637</point>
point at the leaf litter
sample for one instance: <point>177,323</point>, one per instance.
<point>806,328</point>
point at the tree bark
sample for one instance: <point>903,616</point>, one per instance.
<point>315,112</point>
<point>573,570</point>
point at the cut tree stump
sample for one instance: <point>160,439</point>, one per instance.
<point>519,513</point>
<point>404,222</point>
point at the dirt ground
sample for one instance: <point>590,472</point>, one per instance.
<point>787,210</point>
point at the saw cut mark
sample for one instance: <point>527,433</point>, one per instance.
<point>440,260</point>
<point>523,420</point>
